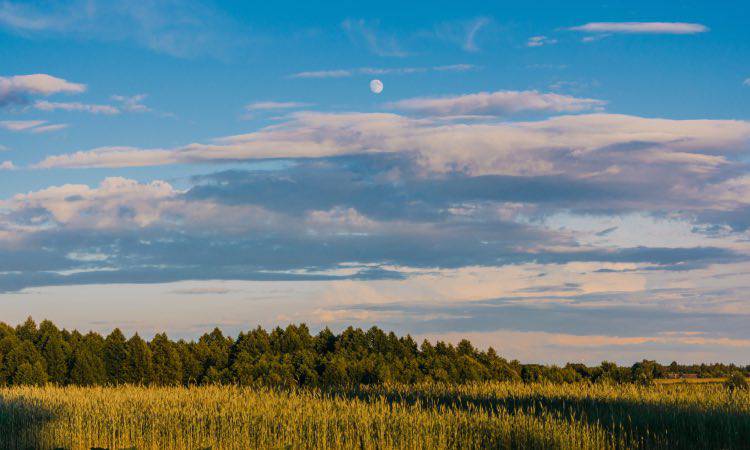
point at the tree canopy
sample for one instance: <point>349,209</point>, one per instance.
<point>292,356</point>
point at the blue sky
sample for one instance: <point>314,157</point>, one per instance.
<point>559,183</point>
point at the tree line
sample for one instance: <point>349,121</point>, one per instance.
<point>293,356</point>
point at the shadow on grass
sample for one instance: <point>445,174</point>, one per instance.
<point>22,424</point>
<point>654,425</point>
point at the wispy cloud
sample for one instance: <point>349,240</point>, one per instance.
<point>182,29</point>
<point>500,103</point>
<point>455,68</point>
<point>265,106</point>
<point>595,37</point>
<point>208,290</point>
<point>31,126</point>
<point>746,82</point>
<point>132,103</point>
<point>371,37</point>
<point>49,128</point>
<point>17,89</point>
<point>642,27</point>
<point>44,105</point>
<point>7,165</point>
<point>20,125</point>
<point>323,74</point>
<point>470,43</point>
<point>539,41</point>
<point>465,33</point>
<point>343,73</point>
<point>391,71</point>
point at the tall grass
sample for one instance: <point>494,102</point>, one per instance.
<point>488,415</point>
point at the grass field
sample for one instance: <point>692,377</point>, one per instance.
<point>489,415</point>
<point>690,380</point>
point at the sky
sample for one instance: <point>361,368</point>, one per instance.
<point>560,183</point>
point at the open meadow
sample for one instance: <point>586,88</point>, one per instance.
<point>481,415</point>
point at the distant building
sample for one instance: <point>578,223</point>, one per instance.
<point>674,376</point>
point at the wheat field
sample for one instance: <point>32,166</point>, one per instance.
<point>486,415</point>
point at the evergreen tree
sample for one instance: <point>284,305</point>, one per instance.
<point>21,363</point>
<point>56,353</point>
<point>30,374</point>
<point>27,331</point>
<point>243,369</point>
<point>86,365</point>
<point>139,368</point>
<point>286,357</point>
<point>166,361</point>
<point>213,350</point>
<point>192,370</point>
<point>116,357</point>
<point>54,350</point>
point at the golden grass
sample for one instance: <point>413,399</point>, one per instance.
<point>487,415</point>
<point>690,380</point>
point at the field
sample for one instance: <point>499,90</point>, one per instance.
<point>690,380</point>
<point>487,415</point>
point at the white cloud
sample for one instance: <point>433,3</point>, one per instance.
<point>49,128</point>
<point>44,105</point>
<point>391,71</point>
<point>39,84</point>
<point>344,73</point>
<point>265,106</point>
<point>595,37</point>
<point>111,157</point>
<point>133,103</point>
<point>31,126</point>
<point>500,103</point>
<point>455,68</point>
<point>16,89</point>
<point>642,27</point>
<point>539,41</point>
<point>7,165</point>
<point>101,207</point>
<point>323,74</point>
<point>123,204</point>
<point>20,125</point>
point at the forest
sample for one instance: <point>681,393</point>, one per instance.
<point>32,354</point>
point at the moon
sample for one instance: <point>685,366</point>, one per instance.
<point>376,86</point>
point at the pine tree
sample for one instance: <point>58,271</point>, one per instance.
<point>21,362</point>
<point>27,331</point>
<point>86,366</point>
<point>242,369</point>
<point>166,361</point>
<point>56,353</point>
<point>192,370</point>
<point>33,374</point>
<point>116,357</point>
<point>139,369</point>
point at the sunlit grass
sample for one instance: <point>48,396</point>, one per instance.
<point>486,415</point>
